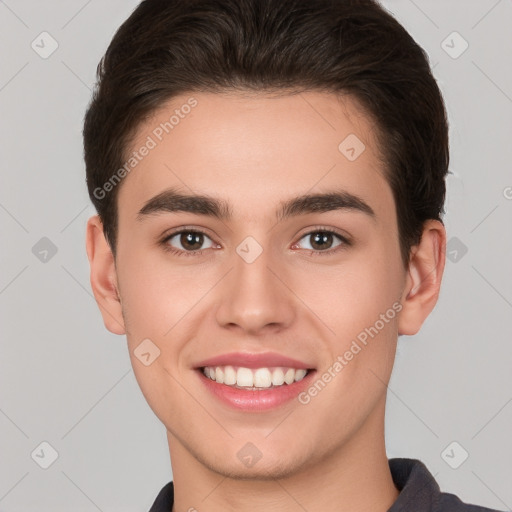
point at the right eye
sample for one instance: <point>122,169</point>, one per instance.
<point>187,242</point>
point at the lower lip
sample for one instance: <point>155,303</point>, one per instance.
<point>256,400</point>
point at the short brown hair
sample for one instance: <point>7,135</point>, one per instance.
<point>171,47</point>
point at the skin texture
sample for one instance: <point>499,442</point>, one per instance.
<point>255,151</point>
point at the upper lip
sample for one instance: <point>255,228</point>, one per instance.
<point>254,360</point>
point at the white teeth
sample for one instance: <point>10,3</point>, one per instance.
<point>300,374</point>
<point>277,377</point>
<point>219,375</point>
<point>229,375</point>
<point>289,376</point>
<point>244,378</point>
<point>261,378</point>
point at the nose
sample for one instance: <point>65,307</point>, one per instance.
<point>255,297</point>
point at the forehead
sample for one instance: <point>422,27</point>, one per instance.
<point>256,150</point>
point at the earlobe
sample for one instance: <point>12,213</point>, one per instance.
<point>424,276</point>
<point>103,276</point>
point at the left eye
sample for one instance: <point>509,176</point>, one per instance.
<point>190,241</point>
<point>321,240</point>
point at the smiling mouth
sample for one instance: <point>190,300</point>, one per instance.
<point>239,377</point>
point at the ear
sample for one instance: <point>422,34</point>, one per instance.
<point>104,276</point>
<point>423,282</point>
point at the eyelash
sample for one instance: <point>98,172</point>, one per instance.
<point>345,242</point>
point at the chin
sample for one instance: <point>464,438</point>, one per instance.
<point>270,466</point>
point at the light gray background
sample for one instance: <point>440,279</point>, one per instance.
<point>65,380</point>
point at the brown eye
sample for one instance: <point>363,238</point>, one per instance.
<point>189,241</point>
<point>322,240</point>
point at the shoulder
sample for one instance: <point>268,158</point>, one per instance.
<point>420,492</point>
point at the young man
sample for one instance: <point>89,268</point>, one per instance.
<point>269,179</point>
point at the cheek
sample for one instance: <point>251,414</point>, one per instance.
<point>360,304</point>
<point>352,295</point>
<point>157,302</point>
<point>156,295</point>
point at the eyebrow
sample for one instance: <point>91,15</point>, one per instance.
<point>173,201</point>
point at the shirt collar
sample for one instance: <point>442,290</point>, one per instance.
<point>418,489</point>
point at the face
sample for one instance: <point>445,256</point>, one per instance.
<point>287,259</point>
